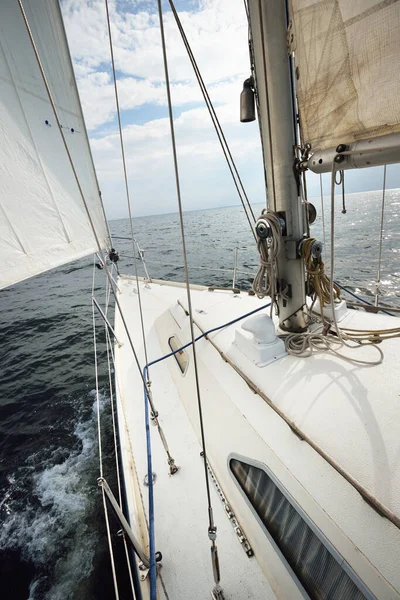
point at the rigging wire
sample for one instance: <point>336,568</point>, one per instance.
<point>378,277</point>
<point>219,131</point>
<point>117,382</point>
<point>154,412</point>
<point>128,562</point>
<point>111,387</point>
<point>212,532</point>
<point>80,190</point>
<point>128,199</point>
<point>96,237</point>
<point>305,344</point>
<point>322,210</point>
<point>114,574</point>
<point>365,301</point>
<point>332,261</point>
<point>206,333</point>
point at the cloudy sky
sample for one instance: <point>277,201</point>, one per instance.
<point>217,32</point>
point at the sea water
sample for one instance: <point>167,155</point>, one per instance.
<point>53,541</point>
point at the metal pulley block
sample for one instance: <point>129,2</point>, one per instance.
<point>263,226</point>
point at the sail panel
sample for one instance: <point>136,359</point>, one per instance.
<point>346,57</point>
<point>43,221</point>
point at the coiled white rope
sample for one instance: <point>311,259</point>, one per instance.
<point>306,344</point>
<point>265,281</point>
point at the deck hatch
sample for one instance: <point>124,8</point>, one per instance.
<point>322,572</point>
<point>181,357</point>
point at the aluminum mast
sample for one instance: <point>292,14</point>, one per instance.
<point>273,86</point>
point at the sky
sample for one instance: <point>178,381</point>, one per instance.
<point>217,33</point>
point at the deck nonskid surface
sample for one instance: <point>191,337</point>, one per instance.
<point>352,412</point>
<point>181,517</point>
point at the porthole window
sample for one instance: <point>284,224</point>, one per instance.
<point>181,357</point>
<point>322,572</point>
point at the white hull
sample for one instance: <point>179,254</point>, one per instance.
<point>350,413</point>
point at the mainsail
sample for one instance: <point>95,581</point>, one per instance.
<point>43,221</point>
<point>346,56</point>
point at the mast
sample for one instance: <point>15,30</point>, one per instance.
<point>275,104</point>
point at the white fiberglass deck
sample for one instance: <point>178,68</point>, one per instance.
<point>351,412</point>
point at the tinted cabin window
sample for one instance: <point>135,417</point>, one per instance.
<point>181,357</point>
<point>319,572</point>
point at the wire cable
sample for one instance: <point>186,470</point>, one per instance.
<point>154,412</point>
<point>89,216</point>
<point>362,299</point>
<point>219,131</point>
<point>378,277</point>
<point>128,199</point>
<point>113,570</point>
<point>211,528</point>
<point>206,333</point>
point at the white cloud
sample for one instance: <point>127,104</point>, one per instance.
<point>217,31</point>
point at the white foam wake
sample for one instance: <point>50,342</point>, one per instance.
<point>51,527</point>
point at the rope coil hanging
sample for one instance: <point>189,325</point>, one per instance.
<point>268,247</point>
<point>318,280</point>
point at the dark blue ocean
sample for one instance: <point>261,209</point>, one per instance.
<point>53,543</point>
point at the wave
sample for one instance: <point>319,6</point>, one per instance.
<point>50,525</point>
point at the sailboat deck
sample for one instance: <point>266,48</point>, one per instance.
<point>181,518</point>
<point>351,412</point>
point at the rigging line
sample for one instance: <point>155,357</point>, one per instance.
<point>128,199</point>
<point>331,290</point>
<point>108,346</point>
<point>378,277</point>
<point>344,210</point>
<point>117,385</point>
<point>206,333</point>
<point>154,412</point>
<point>214,117</point>
<point>246,8</point>
<point>322,209</point>
<point>100,250</point>
<point>211,528</point>
<point>114,574</point>
<point>39,158</point>
<point>85,130</point>
<point>363,300</point>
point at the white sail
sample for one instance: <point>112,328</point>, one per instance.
<point>43,222</point>
<point>346,56</point>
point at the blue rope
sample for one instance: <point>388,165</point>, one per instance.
<point>153,569</point>
<point>153,362</point>
<point>361,299</point>
<point>148,441</point>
